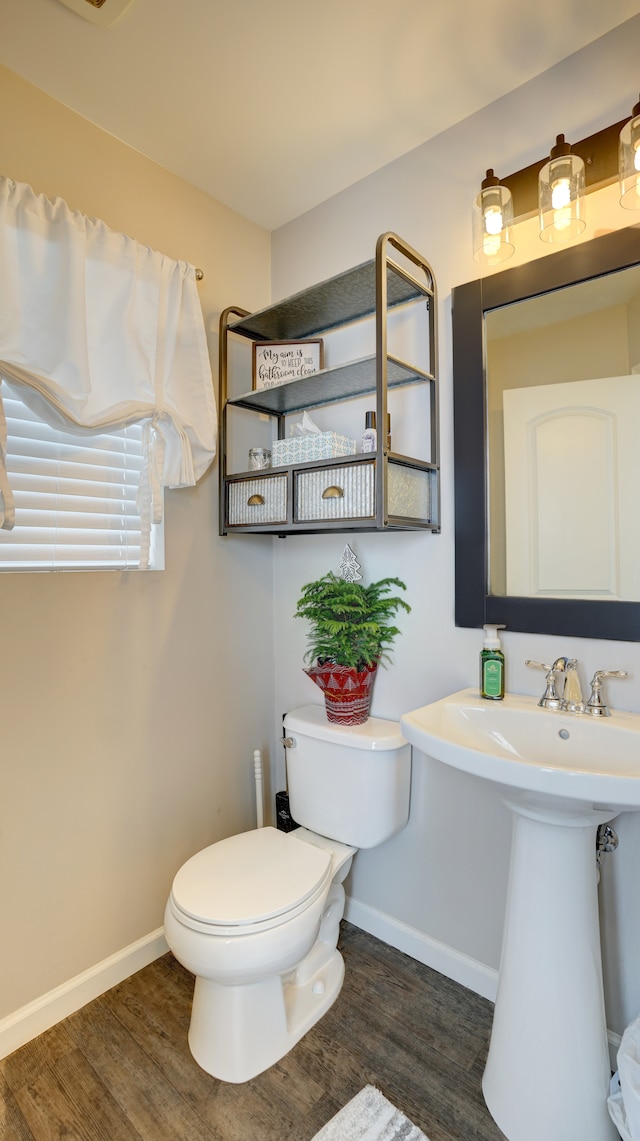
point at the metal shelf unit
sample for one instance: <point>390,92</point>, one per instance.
<point>374,491</point>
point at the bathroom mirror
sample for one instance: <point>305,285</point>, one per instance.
<point>546,360</point>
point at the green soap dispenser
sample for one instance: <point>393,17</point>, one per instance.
<point>492,665</point>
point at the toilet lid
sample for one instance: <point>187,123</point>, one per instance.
<point>251,877</point>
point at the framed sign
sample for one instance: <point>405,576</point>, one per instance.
<point>277,362</point>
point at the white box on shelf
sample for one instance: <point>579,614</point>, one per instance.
<point>317,446</point>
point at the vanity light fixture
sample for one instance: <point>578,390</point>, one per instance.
<point>554,187</point>
<point>561,185</point>
<point>492,217</point>
<point>629,162</point>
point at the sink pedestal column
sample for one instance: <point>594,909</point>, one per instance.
<point>547,1074</point>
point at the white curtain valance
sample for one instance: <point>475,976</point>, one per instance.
<point>103,331</point>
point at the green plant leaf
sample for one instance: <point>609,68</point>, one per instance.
<point>350,623</point>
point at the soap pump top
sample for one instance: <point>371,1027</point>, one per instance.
<point>492,640</point>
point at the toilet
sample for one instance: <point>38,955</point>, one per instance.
<point>256,917</point>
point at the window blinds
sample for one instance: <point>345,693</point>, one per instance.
<point>104,332</point>
<point>75,495</point>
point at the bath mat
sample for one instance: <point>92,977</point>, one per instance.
<point>370,1117</point>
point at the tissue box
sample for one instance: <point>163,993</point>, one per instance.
<point>316,446</point>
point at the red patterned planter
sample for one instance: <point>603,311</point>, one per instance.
<point>347,691</point>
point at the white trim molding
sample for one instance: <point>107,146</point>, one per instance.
<point>446,960</point>
<point>26,1023</point>
<point>33,1019</point>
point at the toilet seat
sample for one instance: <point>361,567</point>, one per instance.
<point>250,882</point>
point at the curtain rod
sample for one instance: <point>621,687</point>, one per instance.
<point>199,274</point>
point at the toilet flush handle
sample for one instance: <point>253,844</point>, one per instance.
<point>288,742</point>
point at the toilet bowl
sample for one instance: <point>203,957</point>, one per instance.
<point>266,970</point>
<point>256,917</point>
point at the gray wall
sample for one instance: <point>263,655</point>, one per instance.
<point>438,889</point>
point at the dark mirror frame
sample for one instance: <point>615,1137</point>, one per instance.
<point>474,606</point>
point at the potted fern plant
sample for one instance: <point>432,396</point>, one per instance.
<point>351,633</point>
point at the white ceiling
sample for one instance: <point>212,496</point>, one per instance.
<point>272,106</point>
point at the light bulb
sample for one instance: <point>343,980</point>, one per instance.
<point>636,156</point>
<point>492,217</point>
<point>562,218</point>
<point>560,189</point>
<point>491,246</point>
<point>493,220</point>
<point>560,194</point>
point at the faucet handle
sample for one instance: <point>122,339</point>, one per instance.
<point>550,698</point>
<point>595,705</point>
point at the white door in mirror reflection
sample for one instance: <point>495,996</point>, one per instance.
<point>572,489</point>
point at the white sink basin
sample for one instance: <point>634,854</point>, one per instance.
<point>547,1073</point>
<point>521,746</point>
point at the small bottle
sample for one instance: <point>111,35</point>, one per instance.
<point>369,436</point>
<point>387,438</point>
<point>492,665</point>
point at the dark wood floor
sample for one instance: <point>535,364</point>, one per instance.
<point>120,1068</point>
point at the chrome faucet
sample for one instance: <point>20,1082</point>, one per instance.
<point>551,698</point>
<point>569,699</point>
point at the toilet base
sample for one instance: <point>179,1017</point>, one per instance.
<point>237,1032</point>
<point>260,1023</point>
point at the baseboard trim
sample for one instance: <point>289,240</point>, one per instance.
<point>446,960</point>
<point>33,1019</point>
<point>26,1023</point>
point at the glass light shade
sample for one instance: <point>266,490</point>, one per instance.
<point>561,195</point>
<point>629,162</point>
<point>492,218</point>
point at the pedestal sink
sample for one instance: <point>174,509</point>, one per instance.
<point>547,1074</point>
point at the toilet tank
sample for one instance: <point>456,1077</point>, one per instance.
<point>348,782</point>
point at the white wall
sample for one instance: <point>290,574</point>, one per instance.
<point>131,702</point>
<point>445,875</point>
